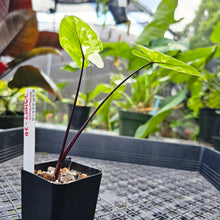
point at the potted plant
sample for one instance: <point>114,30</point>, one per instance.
<point>21,41</point>
<point>205,104</point>
<point>205,95</point>
<point>83,45</point>
<point>143,102</point>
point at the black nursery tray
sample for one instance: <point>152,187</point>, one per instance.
<point>131,188</point>
<point>128,191</point>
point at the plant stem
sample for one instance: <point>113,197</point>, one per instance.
<point>71,115</point>
<point>73,140</point>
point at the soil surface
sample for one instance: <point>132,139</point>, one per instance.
<point>65,176</point>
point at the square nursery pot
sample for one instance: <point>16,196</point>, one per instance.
<point>81,114</point>
<point>44,200</point>
<point>130,121</point>
<point>11,120</point>
<point>209,124</point>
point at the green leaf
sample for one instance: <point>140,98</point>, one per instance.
<point>100,88</point>
<point>70,67</point>
<point>27,76</point>
<point>215,36</point>
<point>196,54</point>
<point>146,129</point>
<point>117,49</point>
<point>163,17</point>
<point>165,61</point>
<point>79,40</point>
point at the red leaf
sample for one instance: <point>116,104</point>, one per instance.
<point>4,6</point>
<point>48,39</point>
<point>18,32</point>
<point>21,4</point>
<point>3,67</point>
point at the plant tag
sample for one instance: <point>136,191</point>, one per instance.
<point>29,129</point>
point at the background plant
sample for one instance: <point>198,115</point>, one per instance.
<point>83,45</point>
<point>20,41</point>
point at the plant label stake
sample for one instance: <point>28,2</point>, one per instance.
<point>29,129</point>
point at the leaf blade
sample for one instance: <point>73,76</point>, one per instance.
<point>78,39</point>
<point>18,32</point>
<point>165,61</point>
<point>27,76</point>
<point>149,126</point>
<point>163,17</point>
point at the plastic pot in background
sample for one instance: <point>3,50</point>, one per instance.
<point>119,13</point>
<point>130,121</point>
<point>209,124</point>
<point>81,114</point>
<point>11,120</point>
<point>216,142</point>
<point>45,200</point>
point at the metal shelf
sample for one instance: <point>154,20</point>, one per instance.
<point>128,191</point>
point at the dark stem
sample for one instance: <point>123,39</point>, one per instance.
<point>73,140</point>
<point>71,116</point>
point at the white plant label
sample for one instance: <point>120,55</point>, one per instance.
<point>29,129</point>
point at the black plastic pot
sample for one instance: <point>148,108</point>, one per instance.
<point>119,13</point>
<point>11,120</point>
<point>216,142</point>
<point>80,116</point>
<point>130,121</point>
<point>44,200</point>
<point>209,124</point>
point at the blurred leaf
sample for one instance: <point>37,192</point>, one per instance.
<point>27,76</point>
<point>48,39</point>
<point>215,36</point>
<point>70,67</point>
<point>166,61</point>
<point>118,49</point>
<point>21,4</point>
<point>199,53</point>
<point>18,32</point>
<point>4,8</point>
<point>163,17</point>
<point>100,88</point>
<point>32,53</point>
<point>146,129</point>
<point>62,85</point>
<point>165,45</point>
<point>217,53</point>
<point>79,40</point>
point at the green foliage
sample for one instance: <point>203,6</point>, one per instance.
<point>144,90</point>
<point>163,17</point>
<point>205,94</point>
<point>80,41</point>
<point>108,111</point>
<point>215,36</point>
<point>165,61</point>
<point>150,126</point>
<point>13,99</point>
<point>207,16</point>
